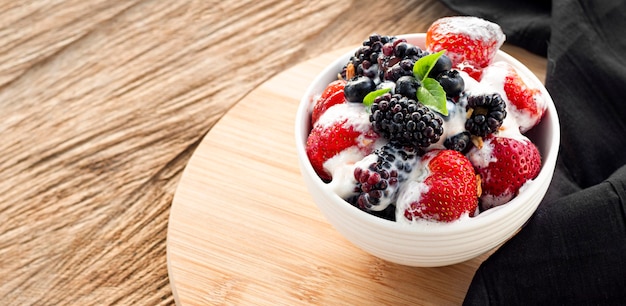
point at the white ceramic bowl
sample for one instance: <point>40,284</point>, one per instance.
<point>439,244</point>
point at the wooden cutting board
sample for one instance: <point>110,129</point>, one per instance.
<point>243,229</point>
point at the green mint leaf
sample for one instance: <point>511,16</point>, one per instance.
<point>432,95</point>
<point>424,65</point>
<point>370,97</point>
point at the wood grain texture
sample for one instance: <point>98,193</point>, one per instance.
<point>102,103</point>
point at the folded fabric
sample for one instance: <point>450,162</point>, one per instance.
<point>573,250</point>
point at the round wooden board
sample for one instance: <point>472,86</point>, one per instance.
<point>244,230</point>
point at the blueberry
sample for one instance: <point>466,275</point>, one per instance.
<point>401,49</point>
<point>452,83</point>
<point>443,64</point>
<point>407,86</point>
<point>357,88</point>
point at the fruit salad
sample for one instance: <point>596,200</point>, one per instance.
<point>432,134</point>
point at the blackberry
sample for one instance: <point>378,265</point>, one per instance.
<point>379,175</point>
<point>397,59</point>
<point>461,142</point>
<point>405,121</point>
<point>364,62</point>
<point>486,113</point>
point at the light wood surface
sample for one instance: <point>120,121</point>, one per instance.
<point>103,104</point>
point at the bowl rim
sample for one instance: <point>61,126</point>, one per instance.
<point>484,219</point>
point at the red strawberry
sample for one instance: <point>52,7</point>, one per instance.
<point>468,40</point>
<point>449,190</point>
<point>505,165</point>
<point>333,94</point>
<point>475,73</point>
<point>343,126</point>
<point>528,104</point>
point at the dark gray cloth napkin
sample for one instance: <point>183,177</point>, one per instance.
<point>573,250</point>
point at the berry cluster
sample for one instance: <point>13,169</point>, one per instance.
<point>486,114</point>
<point>378,177</point>
<point>399,116</point>
<point>364,62</point>
<point>405,121</point>
<point>397,59</point>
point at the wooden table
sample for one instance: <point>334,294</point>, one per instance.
<point>102,105</point>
